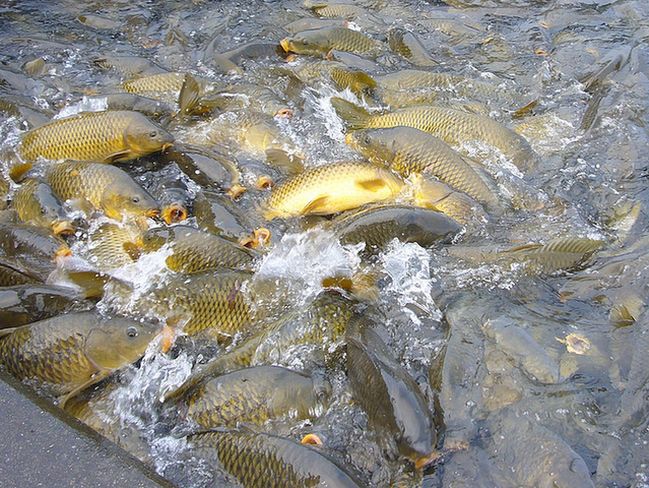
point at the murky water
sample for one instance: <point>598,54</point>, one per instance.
<point>516,398</point>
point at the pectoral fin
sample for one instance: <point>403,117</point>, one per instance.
<point>96,378</point>
<point>317,205</point>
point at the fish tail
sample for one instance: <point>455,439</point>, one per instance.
<point>353,116</point>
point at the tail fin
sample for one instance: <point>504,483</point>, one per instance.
<point>353,116</point>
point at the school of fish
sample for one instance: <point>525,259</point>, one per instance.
<point>346,243</point>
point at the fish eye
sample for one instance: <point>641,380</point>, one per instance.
<point>43,211</point>
<point>135,199</point>
<point>131,332</point>
<point>153,134</point>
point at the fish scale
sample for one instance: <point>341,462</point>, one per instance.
<point>55,356</point>
<point>262,460</point>
<point>411,79</point>
<point>456,127</point>
<point>89,136</point>
<point>407,150</point>
<point>332,188</point>
<point>213,302</point>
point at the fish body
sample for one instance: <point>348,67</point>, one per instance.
<point>31,249</point>
<point>68,352</point>
<point>412,79</point>
<point>254,395</point>
<point>407,150</point>
<point>319,42</point>
<point>112,246</point>
<point>210,301</point>
<point>24,304</point>
<point>378,225</point>
<point>194,250</point>
<point>455,127</point>
<point>102,137</point>
<point>388,394</point>
<point>407,45</point>
<point>105,187</point>
<point>330,189</point>
<point>36,204</point>
<point>266,461</point>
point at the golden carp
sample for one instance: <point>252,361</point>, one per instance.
<point>194,250</point>
<point>332,188</point>
<point>102,137</point>
<point>255,395</point>
<point>407,150</point>
<point>105,187</point>
<point>320,42</point>
<point>266,461</point>
<point>455,127</point>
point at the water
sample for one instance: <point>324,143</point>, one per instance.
<point>591,183</point>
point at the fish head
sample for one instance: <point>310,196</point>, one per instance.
<point>310,43</point>
<point>48,208</point>
<point>154,239</point>
<point>118,342</point>
<point>144,137</point>
<point>120,199</point>
<point>374,144</point>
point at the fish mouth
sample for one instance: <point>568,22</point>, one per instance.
<point>284,113</point>
<point>166,146</point>
<point>62,252</point>
<point>286,44</point>
<point>167,337</point>
<point>259,238</point>
<point>152,213</point>
<point>312,440</point>
<point>236,191</point>
<point>423,461</point>
<point>63,228</point>
<point>264,182</point>
<point>175,212</point>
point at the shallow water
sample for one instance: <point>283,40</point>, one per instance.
<point>588,184</point>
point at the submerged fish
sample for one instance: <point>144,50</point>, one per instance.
<point>333,188</point>
<point>380,224</point>
<point>33,247</point>
<point>68,353</point>
<point>558,254</point>
<point>255,395</point>
<point>319,42</point>
<point>266,461</point>
<point>102,137</point>
<point>407,45</point>
<point>388,394</point>
<point>455,127</point>
<point>105,187</point>
<point>407,150</point>
<point>24,304</point>
<point>193,250</point>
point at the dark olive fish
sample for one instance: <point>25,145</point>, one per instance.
<point>266,461</point>
<point>254,395</point>
<point>217,214</point>
<point>24,304</point>
<point>212,302</point>
<point>407,45</point>
<point>391,398</point>
<point>68,353</point>
<point>378,225</point>
<point>194,250</point>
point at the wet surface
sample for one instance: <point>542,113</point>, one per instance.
<point>507,340</point>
